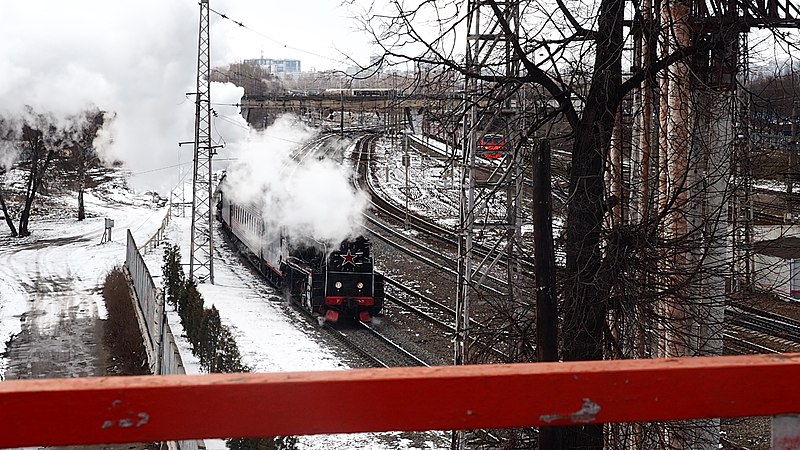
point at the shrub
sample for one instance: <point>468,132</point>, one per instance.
<point>173,275</point>
<point>211,341</point>
<point>276,443</point>
<point>121,330</point>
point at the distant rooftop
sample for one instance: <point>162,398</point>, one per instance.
<point>783,247</point>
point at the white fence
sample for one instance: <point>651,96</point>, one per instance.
<point>149,301</point>
<point>162,351</point>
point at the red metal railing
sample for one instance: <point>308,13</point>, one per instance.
<point>160,408</point>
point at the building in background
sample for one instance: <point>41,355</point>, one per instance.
<point>276,66</point>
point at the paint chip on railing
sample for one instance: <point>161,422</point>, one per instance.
<point>133,420</point>
<point>586,414</point>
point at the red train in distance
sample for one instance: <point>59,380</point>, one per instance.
<point>492,146</point>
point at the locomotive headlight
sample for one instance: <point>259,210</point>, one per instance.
<point>338,285</point>
<point>360,285</point>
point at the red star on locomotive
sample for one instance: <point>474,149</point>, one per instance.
<point>313,277</point>
<point>349,258</point>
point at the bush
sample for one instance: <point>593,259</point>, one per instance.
<point>121,330</point>
<point>173,275</point>
<point>277,443</point>
<point>211,341</point>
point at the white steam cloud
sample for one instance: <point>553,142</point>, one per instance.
<point>134,60</point>
<point>315,200</point>
<point>8,155</point>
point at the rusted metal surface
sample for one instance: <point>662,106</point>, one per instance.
<point>159,408</point>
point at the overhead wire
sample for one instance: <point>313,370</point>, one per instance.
<point>231,121</point>
<point>283,44</point>
<point>161,168</point>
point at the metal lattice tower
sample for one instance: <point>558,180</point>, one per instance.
<point>201,259</point>
<point>489,108</point>
<point>488,204</point>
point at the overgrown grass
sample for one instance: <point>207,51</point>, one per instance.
<point>121,331</point>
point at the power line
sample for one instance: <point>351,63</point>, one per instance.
<point>283,44</point>
<point>161,168</point>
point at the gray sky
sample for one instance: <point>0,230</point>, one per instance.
<point>137,58</point>
<point>316,32</point>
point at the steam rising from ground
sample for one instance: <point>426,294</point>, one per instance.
<point>8,155</point>
<point>315,199</point>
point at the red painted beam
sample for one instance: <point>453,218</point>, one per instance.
<point>136,409</point>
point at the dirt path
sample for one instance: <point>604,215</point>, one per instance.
<point>62,334</point>
<point>51,304</point>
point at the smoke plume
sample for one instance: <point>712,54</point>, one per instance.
<point>314,199</point>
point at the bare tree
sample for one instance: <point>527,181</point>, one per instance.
<point>8,156</point>
<point>45,150</point>
<point>81,155</point>
<point>38,153</point>
<point>646,247</point>
<point>4,208</point>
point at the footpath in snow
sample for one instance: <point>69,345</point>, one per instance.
<point>50,286</point>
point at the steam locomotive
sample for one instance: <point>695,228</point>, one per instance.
<point>332,284</point>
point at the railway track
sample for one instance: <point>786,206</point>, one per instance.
<point>389,209</point>
<point>424,252</point>
<point>780,332</point>
<point>368,343</point>
<point>378,349</point>
<point>744,345</point>
<point>445,263</point>
<point>435,313</point>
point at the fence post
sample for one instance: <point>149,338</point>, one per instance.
<point>161,319</point>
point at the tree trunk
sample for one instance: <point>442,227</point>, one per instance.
<point>24,216</point>
<point>586,291</point>
<point>546,302</point>
<point>35,177</point>
<point>546,305</point>
<point>81,210</point>
<point>82,163</point>
<point>9,221</point>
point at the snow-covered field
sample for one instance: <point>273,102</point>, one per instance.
<point>54,277</point>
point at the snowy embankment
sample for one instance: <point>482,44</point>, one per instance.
<point>271,337</point>
<point>53,277</point>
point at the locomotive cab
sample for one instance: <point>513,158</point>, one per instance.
<point>492,146</point>
<point>352,288</point>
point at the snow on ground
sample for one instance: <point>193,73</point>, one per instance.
<point>433,187</point>
<point>271,337</point>
<point>68,255</point>
<point>55,274</point>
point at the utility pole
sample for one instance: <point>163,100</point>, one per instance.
<point>406,164</point>
<point>487,106</point>
<point>201,258</point>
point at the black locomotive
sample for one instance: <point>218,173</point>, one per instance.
<point>332,284</point>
